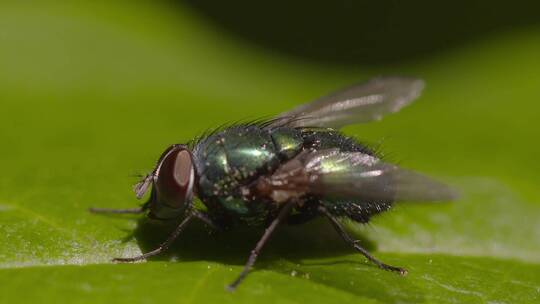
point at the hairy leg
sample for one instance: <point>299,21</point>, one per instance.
<point>163,246</point>
<point>283,213</point>
<point>137,210</point>
<point>357,246</point>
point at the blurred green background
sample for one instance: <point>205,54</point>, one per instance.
<point>92,92</point>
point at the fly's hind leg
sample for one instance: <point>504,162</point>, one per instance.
<point>357,246</point>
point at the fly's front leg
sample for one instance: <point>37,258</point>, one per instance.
<point>140,189</point>
<point>206,219</point>
<point>137,210</point>
<point>193,214</point>
<point>347,238</point>
<point>163,246</point>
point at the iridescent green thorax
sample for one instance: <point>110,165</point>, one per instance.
<point>287,141</point>
<point>237,155</point>
<point>317,138</point>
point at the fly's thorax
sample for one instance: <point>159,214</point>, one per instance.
<point>326,138</point>
<point>287,141</point>
<point>227,160</point>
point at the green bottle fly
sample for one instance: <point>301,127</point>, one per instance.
<point>288,170</point>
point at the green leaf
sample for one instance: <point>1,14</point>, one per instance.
<point>92,93</point>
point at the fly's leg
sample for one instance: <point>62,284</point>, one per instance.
<point>164,246</point>
<point>207,220</point>
<point>283,213</point>
<point>140,190</point>
<point>357,246</point>
<point>137,210</point>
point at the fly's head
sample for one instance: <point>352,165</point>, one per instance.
<point>173,184</point>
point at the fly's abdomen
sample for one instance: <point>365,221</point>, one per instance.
<point>357,211</point>
<point>318,139</point>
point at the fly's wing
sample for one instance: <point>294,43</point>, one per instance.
<point>357,104</point>
<point>355,176</point>
<point>358,175</point>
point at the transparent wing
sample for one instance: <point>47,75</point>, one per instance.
<point>357,175</point>
<point>350,176</point>
<point>357,104</point>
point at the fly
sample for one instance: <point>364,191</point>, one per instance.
<point>288,170</point>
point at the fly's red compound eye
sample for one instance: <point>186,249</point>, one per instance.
<point>175,177</point>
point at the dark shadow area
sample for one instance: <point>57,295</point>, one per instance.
<point>284,254</point>
<point>316,239</point>
<point>365,32</point>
